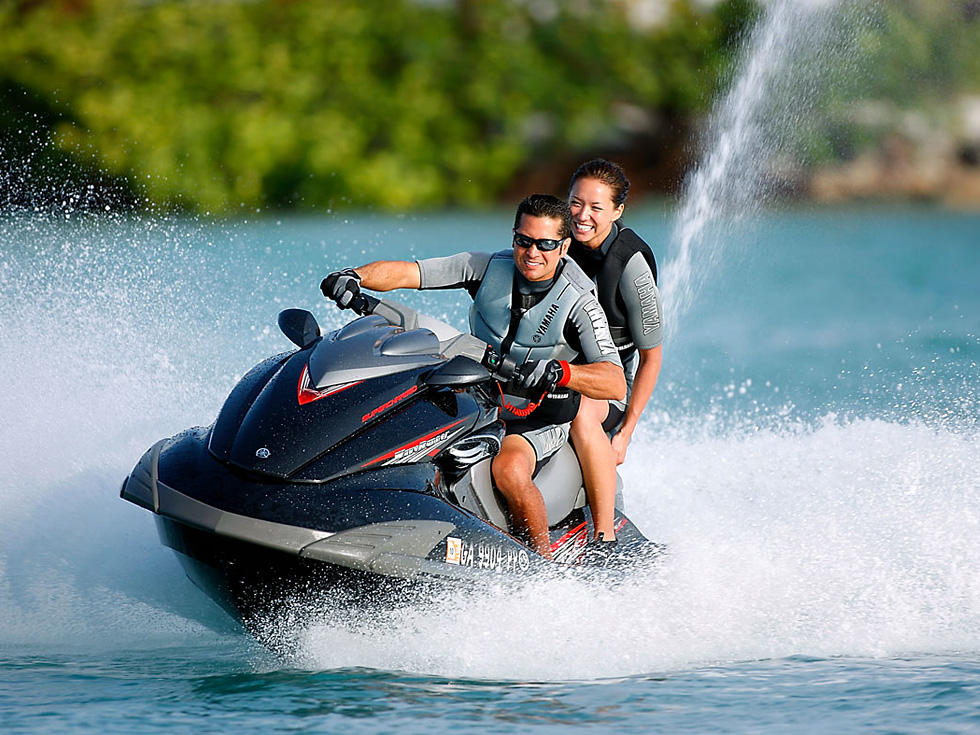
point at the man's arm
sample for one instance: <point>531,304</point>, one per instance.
<point>387,275</point>
<point>604,380</point>
<point>602,374</point>
<point>463,270</point>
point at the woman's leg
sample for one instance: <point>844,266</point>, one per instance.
<point>595,454</point>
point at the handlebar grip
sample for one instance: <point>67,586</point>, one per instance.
<point>503,367</point>
<point>507,369</point>
<point>364,304</point>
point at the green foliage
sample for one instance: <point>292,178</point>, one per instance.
<point>217,105</point>
<point>904,59</point>
<point>211,106</point>
<point>931,46</point>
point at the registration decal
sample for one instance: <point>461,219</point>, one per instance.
<point>486,556</point>
<point>453,550</point>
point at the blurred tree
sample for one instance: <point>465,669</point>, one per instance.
<point>214,106</point>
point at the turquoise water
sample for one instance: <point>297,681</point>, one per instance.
<point>810,456</point>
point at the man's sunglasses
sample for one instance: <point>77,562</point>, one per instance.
<point>544,245</point>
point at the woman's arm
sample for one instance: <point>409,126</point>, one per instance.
<point>643,384</point>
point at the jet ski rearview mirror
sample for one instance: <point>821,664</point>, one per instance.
<point>458,372</point>
<point>299,326</point>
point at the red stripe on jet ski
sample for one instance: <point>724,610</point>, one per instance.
<point>413,444</point>
<point>305,394</point>
<point>564,539</point>
<point>385,406</point>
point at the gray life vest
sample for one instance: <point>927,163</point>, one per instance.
<point>536,334</point>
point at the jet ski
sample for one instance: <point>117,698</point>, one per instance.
<point>357,464</point>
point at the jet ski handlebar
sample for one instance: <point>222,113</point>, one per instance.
<point>364,304</point>
<point>501,367</point>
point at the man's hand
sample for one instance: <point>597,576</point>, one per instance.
<point>342,286</point>
<point>542,375</point>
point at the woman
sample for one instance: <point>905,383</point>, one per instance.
<point>625,272</point>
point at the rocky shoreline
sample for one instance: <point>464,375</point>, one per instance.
<point>901,171</point>
<point>905,155</point>
<point>930,155</point>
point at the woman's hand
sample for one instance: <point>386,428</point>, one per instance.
<point>620,442</point>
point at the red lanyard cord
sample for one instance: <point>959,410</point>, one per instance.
<point>520,412</point>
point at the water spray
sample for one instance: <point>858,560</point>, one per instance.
<point>767,105</point>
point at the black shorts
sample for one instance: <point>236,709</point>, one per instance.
<point>614,419</point>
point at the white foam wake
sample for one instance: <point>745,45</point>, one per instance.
<point>850,539</point>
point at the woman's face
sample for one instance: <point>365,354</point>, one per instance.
<point>593,211</point>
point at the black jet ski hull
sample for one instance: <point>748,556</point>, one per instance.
<point>258,586</point>
<point>386,536</point>
<point>255,547</point>
<point>357,467</point>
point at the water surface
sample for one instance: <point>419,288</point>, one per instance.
<point>810,458</point>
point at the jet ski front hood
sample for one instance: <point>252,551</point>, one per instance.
<point>292,412</point>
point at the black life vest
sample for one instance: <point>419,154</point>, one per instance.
<point>605,270</point>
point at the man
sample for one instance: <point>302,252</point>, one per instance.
<point>536,306</point>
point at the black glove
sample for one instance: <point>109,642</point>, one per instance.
<point>342,286</point>
<point>542,375</point>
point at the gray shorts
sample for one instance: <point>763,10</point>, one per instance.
<point>545,440</point>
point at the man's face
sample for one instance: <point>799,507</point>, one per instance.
<point>532,262</point>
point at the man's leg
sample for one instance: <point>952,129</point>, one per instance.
<point>598,462</point>
<point>512,470</point>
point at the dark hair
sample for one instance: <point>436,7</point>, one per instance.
<point>609,173</point>
<point>546,205</point>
